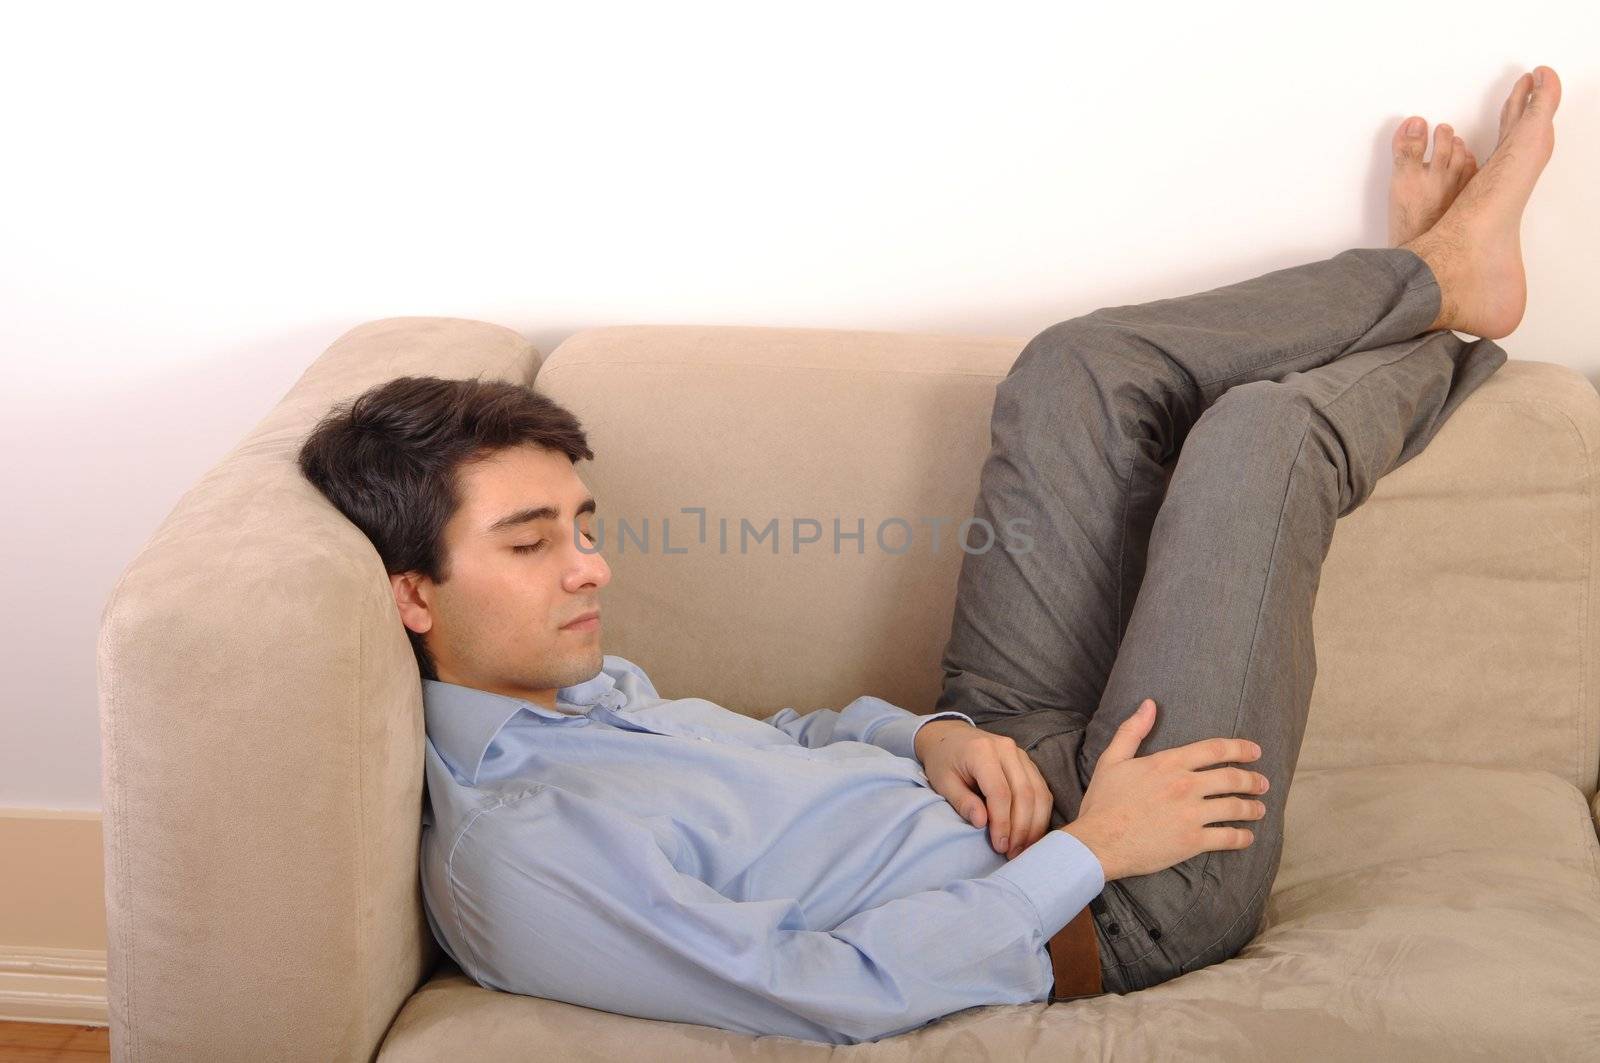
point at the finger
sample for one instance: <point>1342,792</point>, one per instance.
<point>1021,804</point>
<point>1232,781</point>
<point>1226,837</point>
<point>967,802</point>
<point>978,816</point>
<point>1232,810</point>
<point>991,779</point>
<point>1130,733</point>
<point>1210,751</point>
<point>1031,788</point>
<point>1042,801</point>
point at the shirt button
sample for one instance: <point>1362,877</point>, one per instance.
<point>703,738</point>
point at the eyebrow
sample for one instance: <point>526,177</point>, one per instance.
<point>533,513</point>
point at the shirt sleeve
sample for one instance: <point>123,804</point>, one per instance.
<point>866,719</point>
<point>554,894</point>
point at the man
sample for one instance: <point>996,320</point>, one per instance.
<point>821,876</point>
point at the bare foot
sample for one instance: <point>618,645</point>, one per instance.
<point>1420,192</point>
<point>1475,248</point>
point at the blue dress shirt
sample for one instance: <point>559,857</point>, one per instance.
<point>673,859</point>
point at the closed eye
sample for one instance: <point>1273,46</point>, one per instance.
<point>529,548</point>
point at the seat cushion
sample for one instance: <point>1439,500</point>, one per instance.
<point>1422,911</point>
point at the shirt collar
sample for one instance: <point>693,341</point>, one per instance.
<point>462,721</point>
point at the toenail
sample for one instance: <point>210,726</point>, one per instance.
<point>1414,127</point>
<point>1538,77</point>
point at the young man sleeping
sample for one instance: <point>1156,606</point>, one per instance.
<point>846,875</point>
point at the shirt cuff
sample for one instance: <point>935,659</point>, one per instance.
<point>900,736</point>
<point>1059,874</point>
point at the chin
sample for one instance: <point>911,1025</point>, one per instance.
<point>584,666</point>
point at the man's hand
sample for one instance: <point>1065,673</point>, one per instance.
<point>1144,814</point>
<point>986,778</point>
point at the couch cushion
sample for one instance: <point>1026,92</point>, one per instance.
<point>1421,912</point>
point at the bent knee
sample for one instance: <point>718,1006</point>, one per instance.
<point>1125,372</point>
<point>1270,401</point>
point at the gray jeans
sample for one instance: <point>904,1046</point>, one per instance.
<point>1188,575</point>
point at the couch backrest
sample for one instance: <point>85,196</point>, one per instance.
<point>1453,621</point>
<point>261,722</point>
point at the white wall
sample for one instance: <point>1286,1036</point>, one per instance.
<point>195,201</point>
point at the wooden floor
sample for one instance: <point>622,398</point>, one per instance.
<point>42,1042</point>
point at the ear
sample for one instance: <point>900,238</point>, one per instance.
<point>410,598</point>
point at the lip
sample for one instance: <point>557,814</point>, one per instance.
<point>587,622</point>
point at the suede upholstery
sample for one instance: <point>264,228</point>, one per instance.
<point>1439,896</point>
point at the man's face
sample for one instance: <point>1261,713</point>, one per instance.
<point>516,579</point>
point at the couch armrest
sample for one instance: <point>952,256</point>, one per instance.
<point>262,732</point>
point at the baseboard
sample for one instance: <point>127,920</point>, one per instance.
<point>53,985</point>
<point>52,917</point>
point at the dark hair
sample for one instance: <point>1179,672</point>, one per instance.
<point>388,460</point>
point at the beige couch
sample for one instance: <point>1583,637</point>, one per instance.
<point>1439,896</point>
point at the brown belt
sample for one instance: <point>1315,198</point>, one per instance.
<point>1075,954</point>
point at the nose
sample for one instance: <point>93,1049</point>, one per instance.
<point>589,569</point>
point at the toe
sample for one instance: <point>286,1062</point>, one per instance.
<point>1511,110</point>
<point>1444,145</point>
<point>1546,92</point>
<point>1409,140</point>
<point>1460,154</point>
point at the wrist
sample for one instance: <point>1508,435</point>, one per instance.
<point>932,733</point>
<point>1085,833</point>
